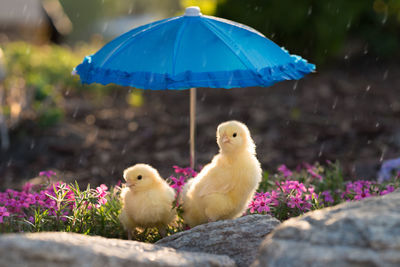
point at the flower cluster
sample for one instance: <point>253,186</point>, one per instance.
<point>184,174</point>
<point>290,197</point>
<point>363,189</point>
<point>102,193</point>
<point>58,200</point>
<point>64,207</point>
<point>311,187</point>
<point>182,177</point>
<point>19,203</point>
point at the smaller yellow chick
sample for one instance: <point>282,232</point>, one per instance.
<point>147,200</point>
<point>224,187</point>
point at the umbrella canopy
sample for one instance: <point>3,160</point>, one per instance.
<point>192,51</point>
<point>189,51</point>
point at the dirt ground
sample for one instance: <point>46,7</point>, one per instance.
<point>349,113</point>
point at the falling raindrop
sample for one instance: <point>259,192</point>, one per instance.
<point>75,112</point>
<point>369,142</point>
<point>9,162</point>
<point>67,92</point>
<point>123,151</point>
<point>365,50</point>
<point>383,154</point>
<point>32,146</point>
<point>295,85</point>
<point>346,57</point>
<point>309,12</point>
<point>385,17</point>
<point>348,24</point>
<point>385,75</point>
<point>105,27</point>
<point>335,103</point>
<point>321,150</point>
<point>377,125</point>
<point>368,88</point>
<point>230,112</point>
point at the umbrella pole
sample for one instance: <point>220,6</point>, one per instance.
<point>192,125</point>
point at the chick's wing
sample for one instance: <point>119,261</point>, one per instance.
<point>216,181</point>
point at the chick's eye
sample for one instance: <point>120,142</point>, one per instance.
<point>139,177</point>
<point>234,134</point>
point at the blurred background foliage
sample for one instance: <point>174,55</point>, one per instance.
<point>317,30</point>
<point>39,79</point>
<point>320,30</point>
<point>85,14</point>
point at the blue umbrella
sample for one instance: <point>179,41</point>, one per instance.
<point>192,51</point>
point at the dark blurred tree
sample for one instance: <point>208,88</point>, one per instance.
<point>318,29</point>
<point>85,13</point>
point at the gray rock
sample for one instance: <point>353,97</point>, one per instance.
<point>362,233</point>
<point>239,238</point>
<point>68,249</point>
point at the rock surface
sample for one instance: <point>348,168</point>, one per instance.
<point>363,233</point>
<point>239,238</point>
<point>67,249</point>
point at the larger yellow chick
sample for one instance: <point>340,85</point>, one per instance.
<point>223,188</point>
<point>146,200</point>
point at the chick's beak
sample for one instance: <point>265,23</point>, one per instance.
<point>225,139</point>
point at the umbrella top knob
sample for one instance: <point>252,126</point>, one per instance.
<point>193,11</point>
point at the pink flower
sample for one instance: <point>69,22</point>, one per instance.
<point>285,171</point>
<point>185,171</point>
<point>48,174</point>
<point>40,198</point>
<point>306,206</point>
<point>327,196</point>
<point>262,204</point>
<point>102,190</point>
<point>3,213</point>
<point>298,186</point>
<point>101,202</point>
<point>389,189</point>
<point>362,194</point>
<point>178,183</point>
<point>252,206</point>
<point>312,170</point>
<point>295,202</point>
<point>27,187</point>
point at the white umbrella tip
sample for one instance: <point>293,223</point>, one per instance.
<point>193,11</point>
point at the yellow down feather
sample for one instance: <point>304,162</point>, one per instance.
<point>224,187</point>
<point>146,200</point>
